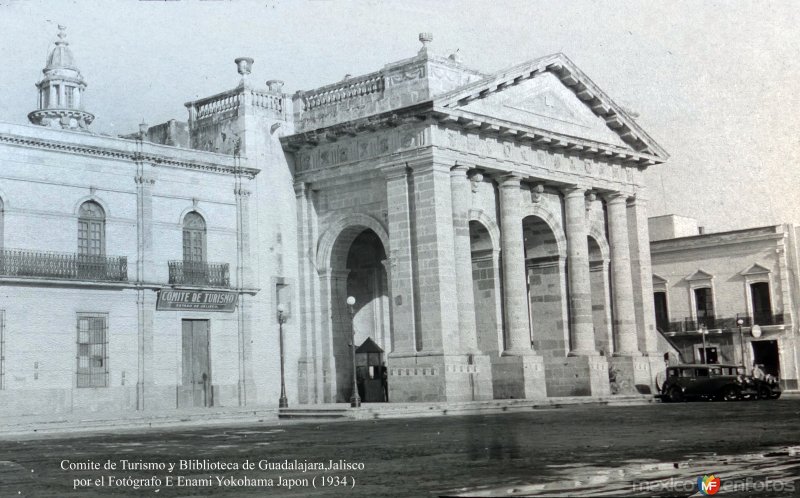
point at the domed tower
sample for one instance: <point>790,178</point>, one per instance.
<point>61,91</point>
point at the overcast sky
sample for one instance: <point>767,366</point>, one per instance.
<point>715,83</point>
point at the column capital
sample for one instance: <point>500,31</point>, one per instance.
<point>616,198</point>
<point>300,188</point>
<point>574,190</point>
<point>459,170</point>
<point>394,171</point>
<point>510,180</point>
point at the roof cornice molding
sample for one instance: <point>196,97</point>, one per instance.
<point>129,153</point>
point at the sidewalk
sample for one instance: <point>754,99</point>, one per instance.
<point>84,422</point>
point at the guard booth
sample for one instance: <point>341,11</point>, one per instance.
<point>370,372</point>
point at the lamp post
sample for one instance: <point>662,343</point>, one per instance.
<point>355,399</point>
<point>740,322</point>
<point>703,331</point>
<point>282,316</point>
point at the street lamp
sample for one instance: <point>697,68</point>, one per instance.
<point>282,316</point>
<point>703,331</point>
<point>355,399</point>
<point>740,322</point>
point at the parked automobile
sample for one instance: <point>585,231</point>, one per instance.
<point>713,382</point>
<point>766,388</point>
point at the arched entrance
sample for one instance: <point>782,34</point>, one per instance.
<point>357,264</point>
<point>486,288</point>
<point>601,310</point>
<point>544,265</point>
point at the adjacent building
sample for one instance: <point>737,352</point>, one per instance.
<point>492,229</point>
<point>728,297</point>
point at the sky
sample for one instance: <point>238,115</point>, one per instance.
<point>715,83</point>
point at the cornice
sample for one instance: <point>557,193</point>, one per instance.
<point>130,153</point>
<point>713,240</point>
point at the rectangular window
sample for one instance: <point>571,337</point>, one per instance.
<point>704,306</point>
<point>69,93</point>
<point>92,350</point>
<point>662,313</point>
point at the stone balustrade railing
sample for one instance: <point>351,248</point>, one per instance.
<point>351,88</point>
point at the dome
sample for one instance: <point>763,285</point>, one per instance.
<point>60,57</point>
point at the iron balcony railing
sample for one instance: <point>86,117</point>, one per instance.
<point>725,323</point>
<point>67,266</point>
<point>199,273</point>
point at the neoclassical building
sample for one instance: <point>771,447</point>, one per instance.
<point>492,229</point>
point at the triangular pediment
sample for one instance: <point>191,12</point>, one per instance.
<point>699,275</point>
<point>659,280</point>
<point>546,104</point>
<point>756,269</point>
<point>553,95</point>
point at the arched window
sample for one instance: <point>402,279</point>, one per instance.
<point>194,237</point>
<point>91,229</point>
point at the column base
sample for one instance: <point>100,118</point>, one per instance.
<point>439,378</point>
<point>630,375</point>
<point>518,377</point>
<point>577,376</point>
<point>657,366</point>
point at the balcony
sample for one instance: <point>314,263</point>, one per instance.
<point>690,324</point>
<point>62,266</point>
<point>199,274</point>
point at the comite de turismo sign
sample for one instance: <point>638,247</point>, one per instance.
<point>182,300</point>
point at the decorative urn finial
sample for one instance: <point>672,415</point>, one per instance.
<point>244,65</point>
<point>425,38</point>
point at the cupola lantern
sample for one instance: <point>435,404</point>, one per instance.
<point>61,90</point>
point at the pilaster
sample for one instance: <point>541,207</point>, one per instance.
<point>435,272</point>
<point>145,307</point>
<point>400,268</point>
<point>145,180</point>
<point>461,196</point>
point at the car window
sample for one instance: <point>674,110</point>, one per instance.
<point>715,371</point>
<point>702,372</point>
<point>687,372</point>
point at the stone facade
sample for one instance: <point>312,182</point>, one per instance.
<point>533,172</point>
<point>714,280</point>
<point>490,227</point>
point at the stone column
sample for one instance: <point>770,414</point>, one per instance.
<point>621,282</point>
<point>515,295</point>
<point>642,273</point>
<point>580,291</point>
<point>461,196</point>
<point>400,267</point>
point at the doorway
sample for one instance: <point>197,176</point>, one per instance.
<point>766,353</point>
<point>195,389</point>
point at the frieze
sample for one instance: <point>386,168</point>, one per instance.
<point>537,159</point>
<point>360,148</point>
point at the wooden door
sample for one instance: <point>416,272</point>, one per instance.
<point>196,366</point>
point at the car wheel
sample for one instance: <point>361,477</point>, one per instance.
<point>674,394</point>
<point>764,392</point>
<point>731,393</point>
<point>775,395</point>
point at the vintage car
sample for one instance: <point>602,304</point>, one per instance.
<point>714,382</point>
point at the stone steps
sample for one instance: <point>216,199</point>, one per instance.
<point>411,410</point>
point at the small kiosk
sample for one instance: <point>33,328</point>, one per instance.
<point>371,372</point>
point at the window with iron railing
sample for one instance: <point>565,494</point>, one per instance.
<point>92,353</point>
